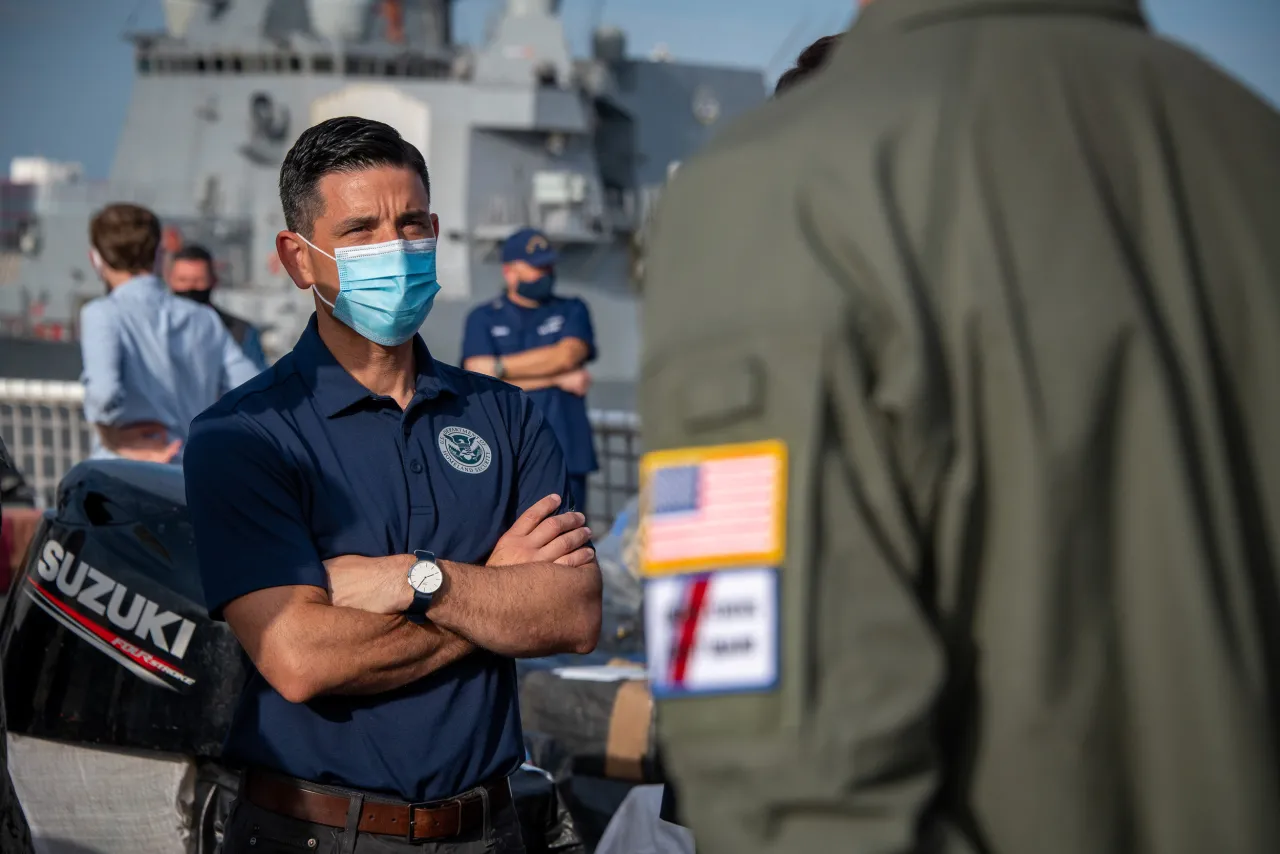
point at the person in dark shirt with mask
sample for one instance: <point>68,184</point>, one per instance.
<point>191,275</point>
<point>540,342</point>
<point>381,714</point>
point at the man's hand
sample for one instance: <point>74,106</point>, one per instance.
<point>575,382</point>
<point>539,537</point>
<point>379,585</point>
<point>538,594</point>
<point>145,441</point>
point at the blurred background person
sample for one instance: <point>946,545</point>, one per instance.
<point>152,361</point>
<point>982,316</point>
<point>192,275</point>
<point>542,343</point>
<point>810,60</point>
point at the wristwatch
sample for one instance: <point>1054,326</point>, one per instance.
<point>425,578</point>
<point>499,369</point>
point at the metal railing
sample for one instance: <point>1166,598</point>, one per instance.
<point>44,428</point>
<point>617,438</point>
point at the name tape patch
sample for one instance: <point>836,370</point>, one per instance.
<point>712,508</point>
<point>712,634</point>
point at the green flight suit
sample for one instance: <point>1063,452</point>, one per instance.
<point>1005,278</point>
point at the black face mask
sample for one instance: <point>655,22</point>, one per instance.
<point>201,297</point>
<point>539,290</point>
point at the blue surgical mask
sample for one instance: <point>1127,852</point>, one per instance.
<point>539,290</point>
<point>385,290</point>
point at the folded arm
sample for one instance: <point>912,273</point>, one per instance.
<point>565,355</point>
<point>524,611</point>
<point>539,594</point>
<point>577,382</point>
<point>532,383</point>
<point>306,647</point>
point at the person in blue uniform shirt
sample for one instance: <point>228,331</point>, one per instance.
<point>540,342</point>
<point>384,533</point>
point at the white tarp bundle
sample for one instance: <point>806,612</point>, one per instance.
<point>636,828</point>
<point>85,800</point>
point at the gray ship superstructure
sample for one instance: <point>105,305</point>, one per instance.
<point>515,131</point>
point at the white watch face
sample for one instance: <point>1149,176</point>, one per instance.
<point>425,577</point>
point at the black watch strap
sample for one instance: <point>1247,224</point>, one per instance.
<point>421,602</point>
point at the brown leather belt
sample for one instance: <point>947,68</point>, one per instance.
<point>414,822</point>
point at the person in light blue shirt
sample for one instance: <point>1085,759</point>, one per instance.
<point>152,361</point>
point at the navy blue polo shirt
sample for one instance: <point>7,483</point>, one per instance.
<point>303,464</point>
<point>501,328</point>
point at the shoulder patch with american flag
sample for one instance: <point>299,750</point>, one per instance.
<point>714,507</point>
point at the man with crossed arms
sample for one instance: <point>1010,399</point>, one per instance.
<point>377,529</point>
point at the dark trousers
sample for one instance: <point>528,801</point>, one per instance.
<point>252,830</point>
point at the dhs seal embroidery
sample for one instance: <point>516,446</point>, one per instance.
<point>464,450</point>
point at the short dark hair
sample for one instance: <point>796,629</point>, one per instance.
<point>127,237</point>
<point>346,144</point>
<point>194,252</point>
<point>811,59</point>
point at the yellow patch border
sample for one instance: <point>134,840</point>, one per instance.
<point>655,460</point>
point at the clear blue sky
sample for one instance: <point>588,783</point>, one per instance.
<point>65,72</point>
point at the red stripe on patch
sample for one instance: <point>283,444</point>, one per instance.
<point>689,629</point>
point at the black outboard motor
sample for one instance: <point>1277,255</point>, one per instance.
<point>106,639</point>
<point>106,642</point>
